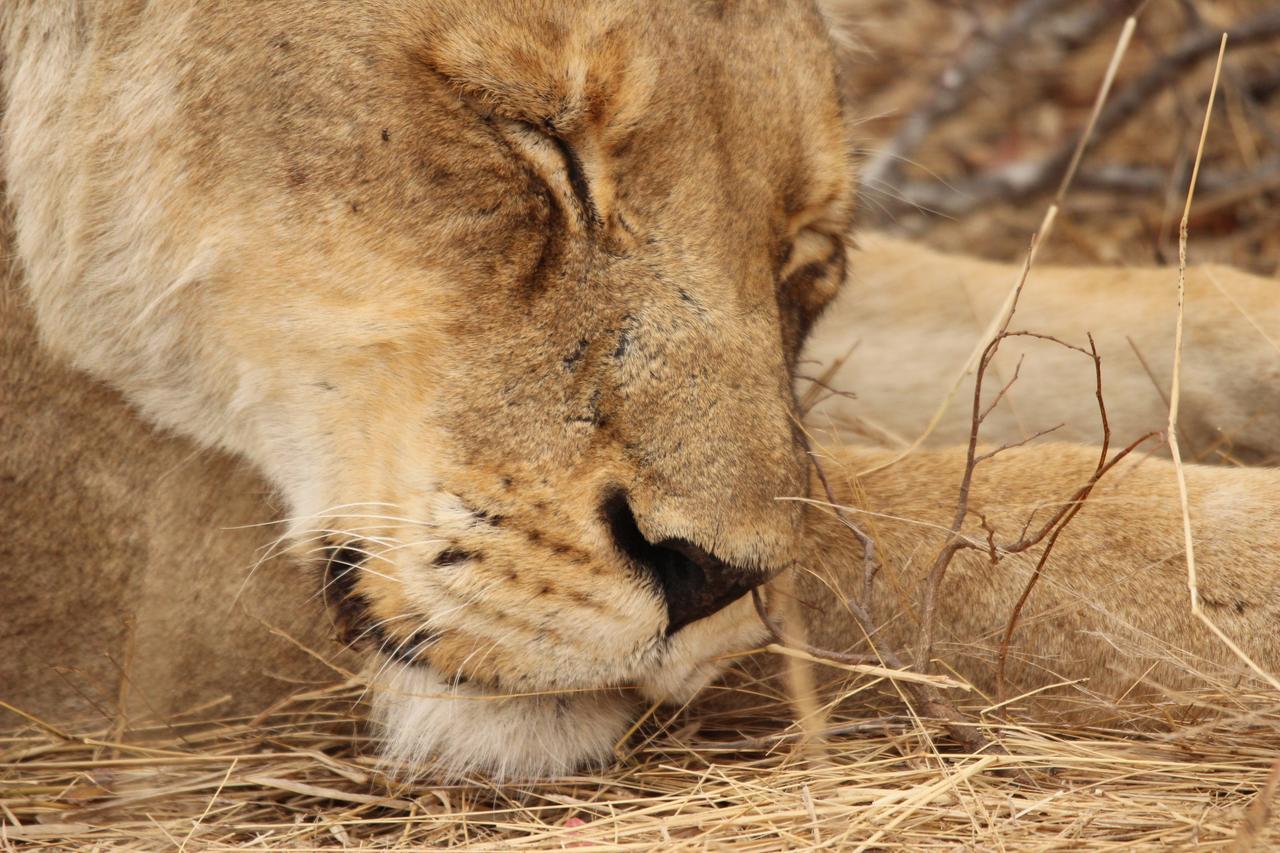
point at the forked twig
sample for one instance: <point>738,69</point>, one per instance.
<point>924,693</point>
<point>1001,319</point>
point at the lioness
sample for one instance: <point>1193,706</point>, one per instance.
<point>430,269</point>
<point>506,307</point>
<point>910,318</point>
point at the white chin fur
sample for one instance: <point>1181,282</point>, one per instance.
<point>429,725</point>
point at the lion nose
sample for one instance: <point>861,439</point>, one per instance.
<point>694,582</point>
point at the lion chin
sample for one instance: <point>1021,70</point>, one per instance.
<point>433,725</point>
<point>428,722</point>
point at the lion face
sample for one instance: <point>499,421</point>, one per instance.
<point>506,303</point>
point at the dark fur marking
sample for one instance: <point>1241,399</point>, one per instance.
<point>624,339</point>
<point>571,360</point>
<point>594,416</point>
<point>551,249</point>
<point>350,608</point>
<point>489,518</point>
<point>404,651</point>
<point>453,556</point>
<point>577,175</point>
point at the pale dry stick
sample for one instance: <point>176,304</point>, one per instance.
<point>1001,318</point>
<point>925,795</point>
<point>927,697</point>
<point>196,824</point>
<point>1193,584</point>
<point>810,716</point>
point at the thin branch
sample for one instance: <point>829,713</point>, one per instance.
<point>927,697</point>
<point>1075,505</point>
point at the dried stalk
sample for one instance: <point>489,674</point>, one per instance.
<point>1193,585</point>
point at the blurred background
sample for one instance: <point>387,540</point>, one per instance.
<point>969,111</point>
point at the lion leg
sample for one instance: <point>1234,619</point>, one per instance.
<point>1111,613</point>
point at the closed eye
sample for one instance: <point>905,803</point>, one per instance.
<point>554,157</point>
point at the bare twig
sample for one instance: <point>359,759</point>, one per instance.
<point>781,636</point>
<point>928,699</point>
<point>1058,525</point>
<point>1001,319</point>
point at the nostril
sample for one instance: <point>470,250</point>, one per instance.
<point>694,582</point>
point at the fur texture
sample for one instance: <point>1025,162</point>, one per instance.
<point>912,316</point>
<point>429,269</point>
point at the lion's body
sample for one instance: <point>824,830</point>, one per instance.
<point>151,514</point>
<point>1113,601</point>
<point>125,560</point>
<point>913,316</point>
<point>504,308</point>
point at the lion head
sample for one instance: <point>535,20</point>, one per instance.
<point>504,299</point>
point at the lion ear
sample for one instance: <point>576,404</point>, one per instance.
<point>841,20</point>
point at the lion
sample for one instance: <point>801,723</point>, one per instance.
<point>504,310</point>
<point>512,377</point>
<point>899,335</point>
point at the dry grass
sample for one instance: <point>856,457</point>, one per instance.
<point>303,776</point>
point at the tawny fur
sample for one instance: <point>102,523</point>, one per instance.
<point>912,317</point>
<point>428,269</point>
<point>1112,609</point>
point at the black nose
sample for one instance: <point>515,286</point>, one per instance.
<point>694,582</point>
